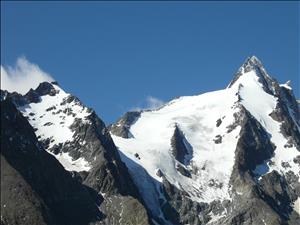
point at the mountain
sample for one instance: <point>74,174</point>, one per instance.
<point>228,157</point>
<point>81,151</point>
<point>223,157</point>
<point>35,188</point>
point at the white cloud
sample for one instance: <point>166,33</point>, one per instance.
<point>150,103</point>
<point>153,103</point>
<point>23,76</point>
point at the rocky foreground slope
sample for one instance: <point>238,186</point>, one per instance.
<point>225,157</point>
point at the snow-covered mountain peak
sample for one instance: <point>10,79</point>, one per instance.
<point>251,63</point>
<point>209,158</point>
<point>46,88</point>
<point>203,144</point>
<point>253,60</point>
<point>253,70</point>
<point>55,116</point>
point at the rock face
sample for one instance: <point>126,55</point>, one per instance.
<point>35,188</point>
<point>88,154</point>
<point>180,148</point>
<point>121,127</point>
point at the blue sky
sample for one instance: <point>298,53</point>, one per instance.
<point>115,56</point>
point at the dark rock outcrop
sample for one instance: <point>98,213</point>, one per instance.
<point>181,150</point>
<point>122,126</point>
<point>288,114</point>
<point>254,145</point>
<point>35,188</point>
<point>272,194</point>
<point>46,88</point>
<point>108,177</point>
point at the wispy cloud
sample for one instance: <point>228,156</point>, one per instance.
<point>153,103</point>
<point>149,103</point>
<point>22,76</point>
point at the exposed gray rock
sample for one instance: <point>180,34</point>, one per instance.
<point>219,122</point>
<point>16,98</point>
<point>288,114</point>
<point>218,139</point>
<point>46,88</point>
<point>180,209</point>
<point>32,96</point>
<point>136,155</point>
<point>237,119</point>
<point>181,149</point>
<point>297,160</point>
<point>122,126</point>
<point>35,188</point>
<point>181,169</point>
<point>273,196</point>
<point>108,176</point>
<point>254,145</point>
<point>123,210</point>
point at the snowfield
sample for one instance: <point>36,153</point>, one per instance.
<point>196,116</point>
<point>211,163</point>
<point>52,120</point>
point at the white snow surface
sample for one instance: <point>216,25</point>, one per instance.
<point>55,124</point>
<point>287,86</point>
<point>297,205</point>
<point>196,117</point>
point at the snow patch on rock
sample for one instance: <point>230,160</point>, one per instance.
<point>72,165</point>
<point>51,119</point>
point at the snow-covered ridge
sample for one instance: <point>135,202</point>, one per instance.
<point>197,118</point>
<point>205,121</point>
<point>52,117</point>
<point>261,104</point>
<point>202,155</point>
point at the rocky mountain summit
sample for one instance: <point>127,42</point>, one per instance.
<point>226,157</point>
<point>81,150</point>
<point>35,188</point>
